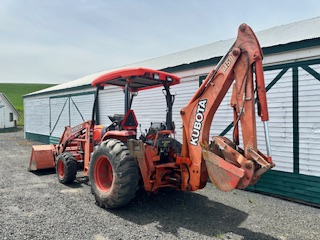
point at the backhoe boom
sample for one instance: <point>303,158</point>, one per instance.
<point>227,165</point>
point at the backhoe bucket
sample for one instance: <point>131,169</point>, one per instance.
<point>41,157</point>
<point>225,176</point>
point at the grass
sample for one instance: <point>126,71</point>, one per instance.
<point>220,236</point>
<point>15,91</point>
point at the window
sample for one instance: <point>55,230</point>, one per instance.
<point>11,117</point>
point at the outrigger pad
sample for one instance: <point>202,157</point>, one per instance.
<point>225,176</point>
<point>41,157</point>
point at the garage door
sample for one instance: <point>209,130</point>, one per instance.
<point>69,111</point>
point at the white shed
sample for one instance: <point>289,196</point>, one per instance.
<point>292,74</point>
<point>8,113</point>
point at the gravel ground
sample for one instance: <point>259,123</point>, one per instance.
<point>37,206</point>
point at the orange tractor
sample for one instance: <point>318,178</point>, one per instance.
<point>118,163</point>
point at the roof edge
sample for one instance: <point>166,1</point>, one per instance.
<point>8,100</point>
<point>266,51</point>
<point>207,62</point>
<point>56,91</point>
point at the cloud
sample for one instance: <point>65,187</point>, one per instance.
<point>58,41</point>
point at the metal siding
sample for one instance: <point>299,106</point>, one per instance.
<point>184,92</point>
<point>149,106</point>
<point>64,111</point>
<point>223,117</point>
<point>280,124</point>
<point>111,101</point>
<point>82,104</point>
<point>56,109</point>
<point>36,115</point>
<point>309,125</point>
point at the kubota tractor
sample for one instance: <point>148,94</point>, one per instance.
<point>118,162</point>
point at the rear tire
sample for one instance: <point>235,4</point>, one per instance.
<point>113,174</point>
<point>66,168</point>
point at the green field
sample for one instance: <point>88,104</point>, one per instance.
<point>15,91</point>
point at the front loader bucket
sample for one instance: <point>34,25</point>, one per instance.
<point>225,176</point>
<point>41,157</point>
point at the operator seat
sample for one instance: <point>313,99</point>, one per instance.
<point>116,124</point>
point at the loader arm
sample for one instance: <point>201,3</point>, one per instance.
<point>227,165</point>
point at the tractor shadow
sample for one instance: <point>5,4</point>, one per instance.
<point>79,182</point>
<point>174,210</point>
<point>43,172</point>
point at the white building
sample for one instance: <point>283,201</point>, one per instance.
<point>8,113</point>
<point>291,66</point>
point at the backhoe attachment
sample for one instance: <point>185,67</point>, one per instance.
<point>229,169</point>
<point>227,165</point>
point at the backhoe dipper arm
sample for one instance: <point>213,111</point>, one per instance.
<point>227,165</point>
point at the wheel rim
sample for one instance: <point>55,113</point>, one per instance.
<point>103,174</point>
<point>60,169</point>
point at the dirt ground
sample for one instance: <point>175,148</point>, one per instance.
<point>37,206</point>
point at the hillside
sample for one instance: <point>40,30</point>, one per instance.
<point>15,91</point>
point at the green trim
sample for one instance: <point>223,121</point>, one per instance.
<point>266,50</point>
<point>42,138</point>
<point>73,94</point>
<point>312,72</point>
<point>292,64</point>
<point>193,65</point>
<point>37,137</point>
<point>54,140</point>
<point>201,79</point>
<point>295,109</point>
<point>276,79</point>
<point>289,185</point>
<point>291,46</point>
<point>224,132</point>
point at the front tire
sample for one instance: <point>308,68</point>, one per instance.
<point>113,174</point>
<point>66,168</point>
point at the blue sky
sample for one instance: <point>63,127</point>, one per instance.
<point>57,41</point>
